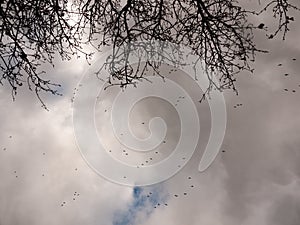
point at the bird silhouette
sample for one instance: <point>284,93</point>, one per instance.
<point>261,26</point>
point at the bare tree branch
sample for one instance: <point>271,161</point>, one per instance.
<point>218,32</point>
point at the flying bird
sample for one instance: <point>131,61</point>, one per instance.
<point>261,26</point>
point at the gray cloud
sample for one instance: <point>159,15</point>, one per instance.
<point>256,181</point>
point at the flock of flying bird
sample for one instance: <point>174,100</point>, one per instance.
<point>286,74</point>
<point>177,195</point>
<point>15,173</point>
<point>76,194</point>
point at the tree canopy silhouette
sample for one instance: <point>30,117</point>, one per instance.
<point>33,32</point>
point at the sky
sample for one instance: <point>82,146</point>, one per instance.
<point>256,180</point>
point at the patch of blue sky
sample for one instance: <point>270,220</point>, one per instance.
<point>142,203</point>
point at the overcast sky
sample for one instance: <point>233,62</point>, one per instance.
<point>45,181</point>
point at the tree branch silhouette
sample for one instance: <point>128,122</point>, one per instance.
<point>217,32</point>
